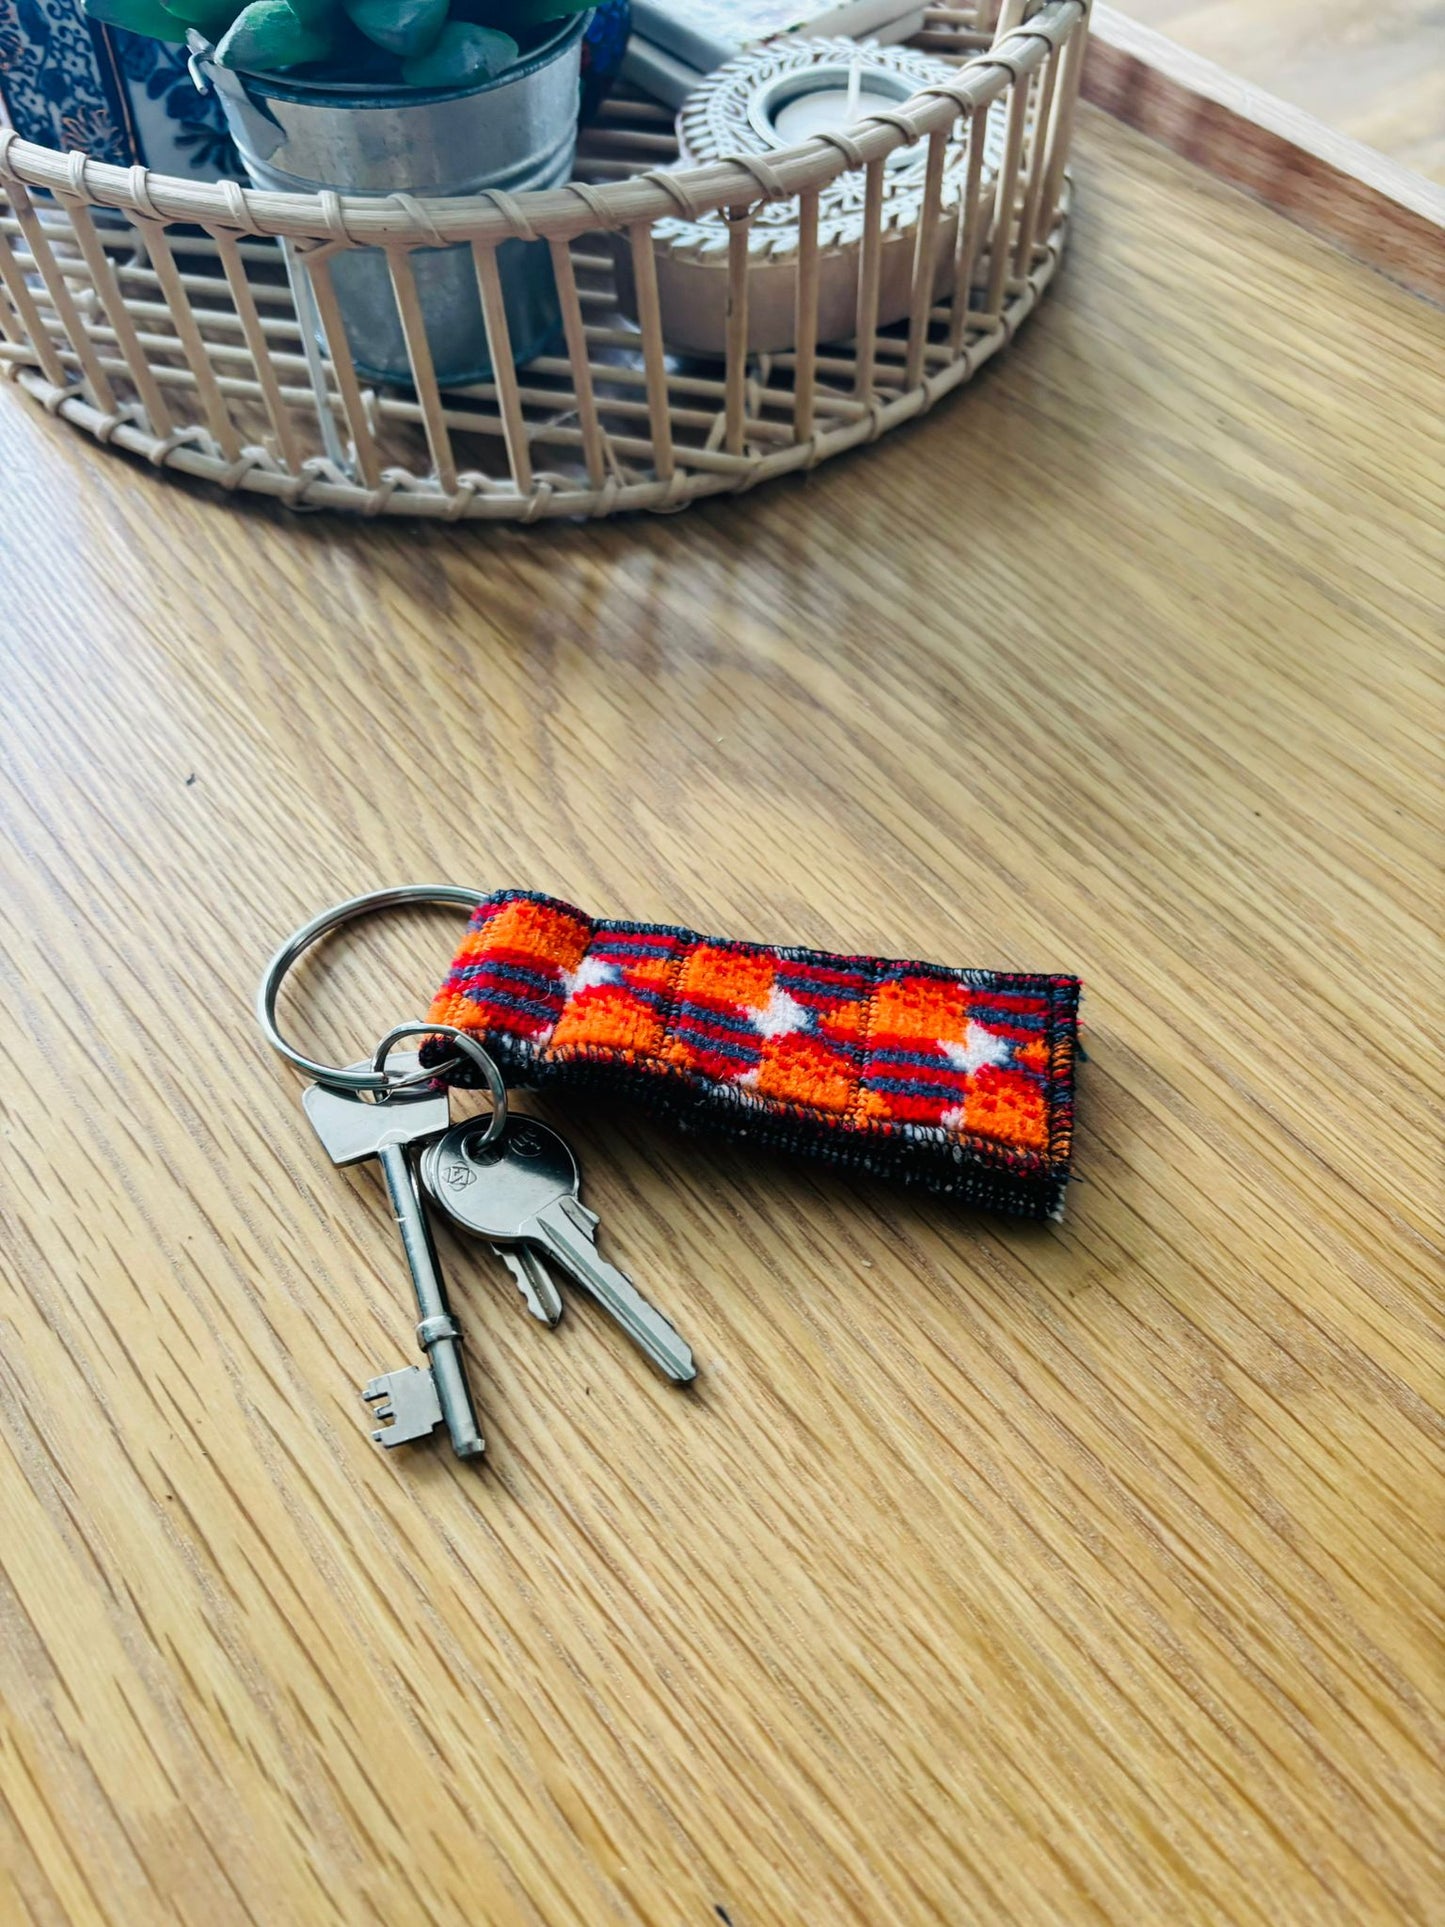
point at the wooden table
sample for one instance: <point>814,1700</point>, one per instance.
<point>990,1573</point>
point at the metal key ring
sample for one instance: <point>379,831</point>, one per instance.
<point>469,1047</point>
<point>337,1075</point>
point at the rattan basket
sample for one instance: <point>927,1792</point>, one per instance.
<point>159,314</point>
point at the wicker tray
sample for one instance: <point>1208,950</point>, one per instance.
<point>158,315</point>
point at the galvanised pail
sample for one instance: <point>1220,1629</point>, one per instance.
<point>515,132</point>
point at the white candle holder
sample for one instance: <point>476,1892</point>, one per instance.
<point>736,111</point>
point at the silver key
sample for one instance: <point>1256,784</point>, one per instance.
<point>533,1280</point>
<point>522,1190</point>
<point>529,1273</point>
<point>417,1397</point>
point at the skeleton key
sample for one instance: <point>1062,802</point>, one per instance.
<point>418,1397</point>
<point>522,1190</point>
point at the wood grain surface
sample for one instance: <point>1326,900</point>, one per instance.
<point>989,1573</point>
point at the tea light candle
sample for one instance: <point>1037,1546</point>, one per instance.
<point>825,109</point>
<point>825,99</point>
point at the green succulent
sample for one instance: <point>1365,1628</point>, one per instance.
<point>416,43</point>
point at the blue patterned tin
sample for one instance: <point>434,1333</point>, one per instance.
<point>118,97</point>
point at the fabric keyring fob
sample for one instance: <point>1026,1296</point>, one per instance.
<point>961,1081</point>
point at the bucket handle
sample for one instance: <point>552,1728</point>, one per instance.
<point>264,133</point>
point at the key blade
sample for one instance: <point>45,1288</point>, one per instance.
<point>534,1281</point>
<point>407,1398</point>
<point>566,1231</point>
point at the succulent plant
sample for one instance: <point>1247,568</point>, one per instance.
<point>413,43</point>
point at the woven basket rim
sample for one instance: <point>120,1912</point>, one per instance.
<point>553,214</point>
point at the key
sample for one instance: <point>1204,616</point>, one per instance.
<point>529,1273</point>
<point>418,1397</point>
<point>522,1190</point>
<point>533,1280</point>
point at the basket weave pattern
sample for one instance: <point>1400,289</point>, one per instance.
<point>159,315</point>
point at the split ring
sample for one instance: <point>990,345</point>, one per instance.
<point>338,1076</point>
<point>469,1047</point>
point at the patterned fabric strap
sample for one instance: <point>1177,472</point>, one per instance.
<point>960,1080</point>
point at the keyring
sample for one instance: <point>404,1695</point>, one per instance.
<point>469,1047</point>
<point>336,1075</point>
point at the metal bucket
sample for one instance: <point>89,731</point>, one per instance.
<point>515,132</point>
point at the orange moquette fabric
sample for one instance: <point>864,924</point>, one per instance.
<point>959,1080</point>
